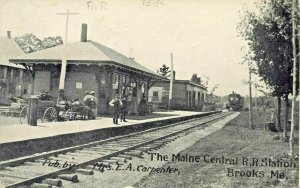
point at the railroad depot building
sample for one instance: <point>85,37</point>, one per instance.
<point>88,66</point>
<point>185,96</point>
<point>14,79</point>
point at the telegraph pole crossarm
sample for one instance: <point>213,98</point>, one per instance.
<point>67,14</point>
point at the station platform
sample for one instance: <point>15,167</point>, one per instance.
<point>22,139</point>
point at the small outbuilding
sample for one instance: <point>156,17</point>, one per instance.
<point>185,96</point>
<point>13,78</point>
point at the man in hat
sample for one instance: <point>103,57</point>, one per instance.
<point>94,103</point>
<point>86,97</point>
<point>124,109</point>
<point>116,103</point>
<point>88,104</point>
<point>62,102</point>
<point>43,96</point>
<point>47,96</point>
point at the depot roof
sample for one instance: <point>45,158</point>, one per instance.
<point>89,52</point>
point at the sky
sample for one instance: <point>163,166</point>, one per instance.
<point>201,34</point>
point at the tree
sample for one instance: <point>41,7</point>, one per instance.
<point>30,43</point>
<point>214,88</point>
<point>164,71</point>
<point>49,42</point>
<point>295,70</point>
<point>269,37</point>
<point>196,79</point>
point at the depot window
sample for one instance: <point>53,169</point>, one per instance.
<point>155,93</point>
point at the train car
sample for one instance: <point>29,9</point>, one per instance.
<point>235,102</point>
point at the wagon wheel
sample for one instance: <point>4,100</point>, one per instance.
<point>24,115</point>
<point>50,115</point>
<point>69,115</point>
<point>83,113</point>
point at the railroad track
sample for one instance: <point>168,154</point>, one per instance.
<point>52,168</point>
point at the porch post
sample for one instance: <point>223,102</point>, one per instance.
<point>5,73</point>
<point>62,74</point>
<point>20,84</point>
<point>12,83</point>
<point>21,76</point>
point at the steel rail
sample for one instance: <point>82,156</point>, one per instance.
<point>83,163</point>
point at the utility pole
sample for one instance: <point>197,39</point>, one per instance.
<point>293,118</point>
<point>250,101</point>
<point>67,14</point>
<point>255,93</point>
<point>171,83</point>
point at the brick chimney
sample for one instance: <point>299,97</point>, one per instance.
<point>83,33</point>
<point>9,34</point>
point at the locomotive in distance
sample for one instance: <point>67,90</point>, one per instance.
<point>235,102</point>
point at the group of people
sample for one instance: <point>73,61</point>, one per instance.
<point>120,105</point>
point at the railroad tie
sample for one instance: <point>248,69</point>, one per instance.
<point>125,156</point>
<point>70,177</point>
<point>113,162</point>
<point>76,155</point>
<point>85,171</point>
<point>116,148</point>
<point>73,157</point>
<point>40,160</point>
<point>53,182</point>
<point>90,167</point>
<point>121,159</point>
<point>160,143</point>
<point>109,161</point>
<point>91,153</point>
<point>135,154</point>
<point>136,151</point>
<point>145,148</point>
<point>131,141</point>
<point>56,158</point>
<point>97,151</point>
<point>32,163</point>
<point>101,148</point>
<point>122,145</point>
<point>40,185</point>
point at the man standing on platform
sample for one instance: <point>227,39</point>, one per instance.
<point>88,104</point>
<point>86,97</point>
<point>116,103</point>
<point>94,103</point>
<point>124,108</point>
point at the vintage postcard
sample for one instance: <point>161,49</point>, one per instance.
<point>149,93</point>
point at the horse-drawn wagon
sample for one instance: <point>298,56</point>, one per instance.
<point>49,111</point>
<point>46,112</point>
